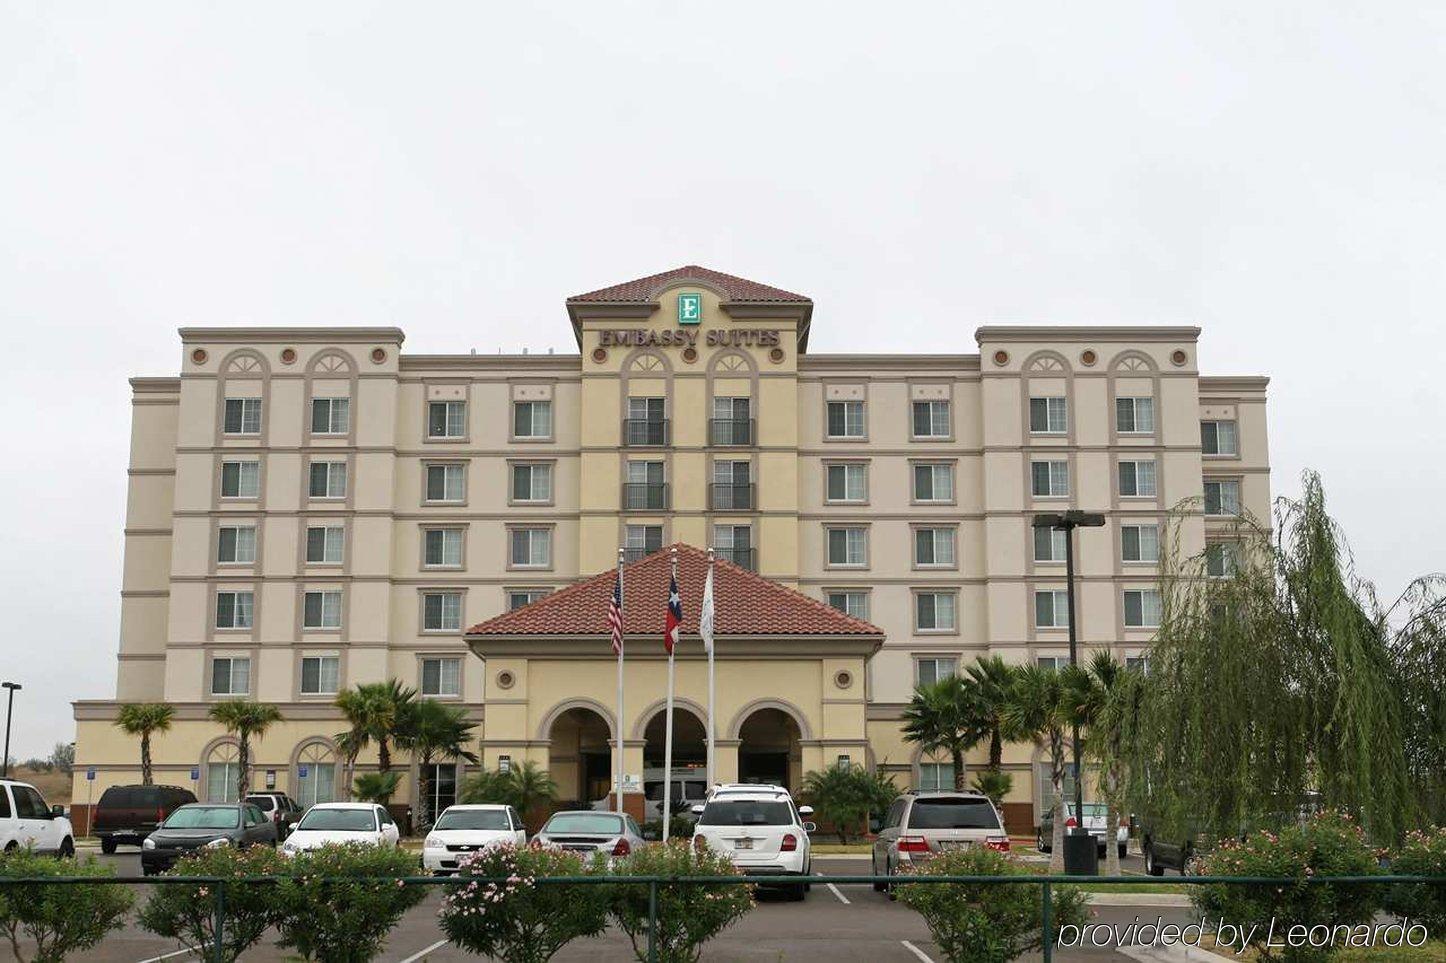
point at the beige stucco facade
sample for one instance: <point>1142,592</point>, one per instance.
<point>561,423</point>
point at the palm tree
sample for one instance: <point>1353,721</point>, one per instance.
<point>142,719</point>
<point>372,711</point>
<point>944,716</point>
<point>524,787</point>
<point>1039,710</point>
<point>992,679</point>
<point>434,731</point>
<point>245,719</point>
<point>1109,698</point>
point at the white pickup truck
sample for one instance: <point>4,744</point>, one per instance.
<point>26,821</point>
<point>1096,820</point>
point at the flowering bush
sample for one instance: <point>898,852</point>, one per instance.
<point>987,922</point>
<point>689,915</point>
<point>331,906</point>
<point>1328,844</point>
<point>58,919</point>
<point>516,919</point>
<point>188,913</point>
<point>1422,854</point>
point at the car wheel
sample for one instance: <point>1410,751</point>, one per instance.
<point>1039,843</point>
<point>67,848</point>
<point>874,871</point>
<point>1150,866</point>
<point>889,887</point>
<point>12,847</point>
<point>107,845</point>
<point>798,893</point>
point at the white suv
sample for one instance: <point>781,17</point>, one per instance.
<point>25,820</point>
<point>761,831</point>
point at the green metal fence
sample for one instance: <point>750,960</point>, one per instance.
<point>1046,883</point>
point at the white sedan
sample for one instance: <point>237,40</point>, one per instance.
<point>463,830</point>
<point>326,823</point>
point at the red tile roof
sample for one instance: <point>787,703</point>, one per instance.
<point>646,289</point>
<point>745,603</point>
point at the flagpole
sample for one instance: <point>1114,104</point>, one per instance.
<point>711,603</point>
<point>618,734</point>
<point>668,729</point>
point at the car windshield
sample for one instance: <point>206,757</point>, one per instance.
<point>473,819</point>
<point>592,824</point>
<point>342,820</point>
<point>952,812</point>
<point>1091,810</point>
<point>263,803</point>
<point>747,812</point>
<point>204,817</point>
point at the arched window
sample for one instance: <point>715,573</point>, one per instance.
<point>315,774</point>
<point>223,772</point>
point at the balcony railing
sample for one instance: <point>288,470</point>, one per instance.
<point>730,497</point>
<point>742,557</point>
<point>645,432</point>
<point>730,431</point>
<point>645,496</point>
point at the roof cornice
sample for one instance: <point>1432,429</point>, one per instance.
<point>415,362</point>
<point>1058,332</point>
<point>163,386</point>
<point>965,362</point>
<point>1233,383</point>
<point>252,335</point>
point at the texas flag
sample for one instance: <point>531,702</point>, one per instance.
<point>675,615</point>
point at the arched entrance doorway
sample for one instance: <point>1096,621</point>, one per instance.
<point>579,758</point>
<point>769,749</point>
<point>690,760</point>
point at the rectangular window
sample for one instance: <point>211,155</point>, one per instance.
<point>236,544</point>
<point>1049,544</point>
<point>1055,662</point>
<point>446,483</point>
<point>732,421</point>
<point>934,483</point>
<point>1142,608</point>
<point>1049,479</point>
<point>1219,438</point>
<point>1135,416</point>
<point>1137,479</point>
<point>1137,663</point>
<point>441,677</point>
<point>442,611</point>
<point>934,547</point>
<point>230,675</point>
<point>848,482</point>
<point>647,422</point>
<point>734,544</point>
<point>640,540</point>
<point>240,479</point>
<point>321,610</point>
<point>442,547</point>
<point>223,781</point>
<point>531,547</point>
<point>328,479</point>
<point>320,674</point>
<point>517,598</point>
<point>243,416</point>
<point>845,419</point>
<point>1140,543</point>
<point>1048,416</point>
<point>325,544</point>
<point>850,603</point>
<point>931,670</point>
<point>446,419</point>
<point>935,611</point>
<point>532,419</point>
<point>532,482</point>
<point>1222,497</point>
<point>1222,559</point>
<point>931,419</point>
<point>1051,609</point>
<point>934,776</point>
<point>847,546</point>
<point>234,609</point>
<point>330,416</point>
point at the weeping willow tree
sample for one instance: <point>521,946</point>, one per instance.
<point>1419,651</point>
<point>1275,679</point>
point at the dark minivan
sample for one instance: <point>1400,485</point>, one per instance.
<point>128,814</point>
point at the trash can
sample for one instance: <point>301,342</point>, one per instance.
<point>1081,853</point>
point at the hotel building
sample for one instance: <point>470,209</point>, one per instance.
<point>312,508</point>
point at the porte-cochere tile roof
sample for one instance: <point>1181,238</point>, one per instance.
<point>736,288</point>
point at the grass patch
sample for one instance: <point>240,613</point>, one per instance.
<point>841,849</point>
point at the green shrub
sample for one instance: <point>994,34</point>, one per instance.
<point>1328,844</point>
<point>329,907</point>
<point>689,915</point>
<point>842,797</point>
<point>188,913</point>
<point>1422,854</point>
<point>518,920</point>
<point>987,922</point>
<point>58,919</point>
<point>679,827</point>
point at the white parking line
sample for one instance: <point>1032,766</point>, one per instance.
<point>166,956</point>
<point>418,955</point>
<point>835,891</point>
<point>916,951</point>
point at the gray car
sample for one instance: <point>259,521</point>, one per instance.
<point>586,831</point>
<point>921,825</point>
<point>205,825</point>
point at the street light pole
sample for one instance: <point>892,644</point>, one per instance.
<point>9,708</point>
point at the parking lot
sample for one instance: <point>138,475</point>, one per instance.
<point>835,922</point>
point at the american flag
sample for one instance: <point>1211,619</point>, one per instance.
<point>615,615</point>
<point>675,615</point>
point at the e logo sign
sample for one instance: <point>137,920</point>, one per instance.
<point>690,308</point>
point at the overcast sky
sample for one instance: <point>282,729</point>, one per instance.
<point>1270,172</point>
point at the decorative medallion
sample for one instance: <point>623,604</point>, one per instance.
<point>378,355</point>
<point>288,355</point>
<point>1088,357</point>
<point>599,355</point>
<point>843,678</point>
<point>505,679</point>
<point>690,355</point>
<point>776,356</point>
<point>199,356</point>
<point>1178,357</point>
<point>1001,358</point>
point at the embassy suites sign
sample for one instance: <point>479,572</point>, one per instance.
<point>688,338</point>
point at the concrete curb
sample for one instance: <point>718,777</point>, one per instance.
<point>1138,899</point>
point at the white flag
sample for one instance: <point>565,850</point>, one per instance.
<point>705,615</point>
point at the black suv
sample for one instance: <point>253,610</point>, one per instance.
<point>128,814</point>
<point>283,811</point>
